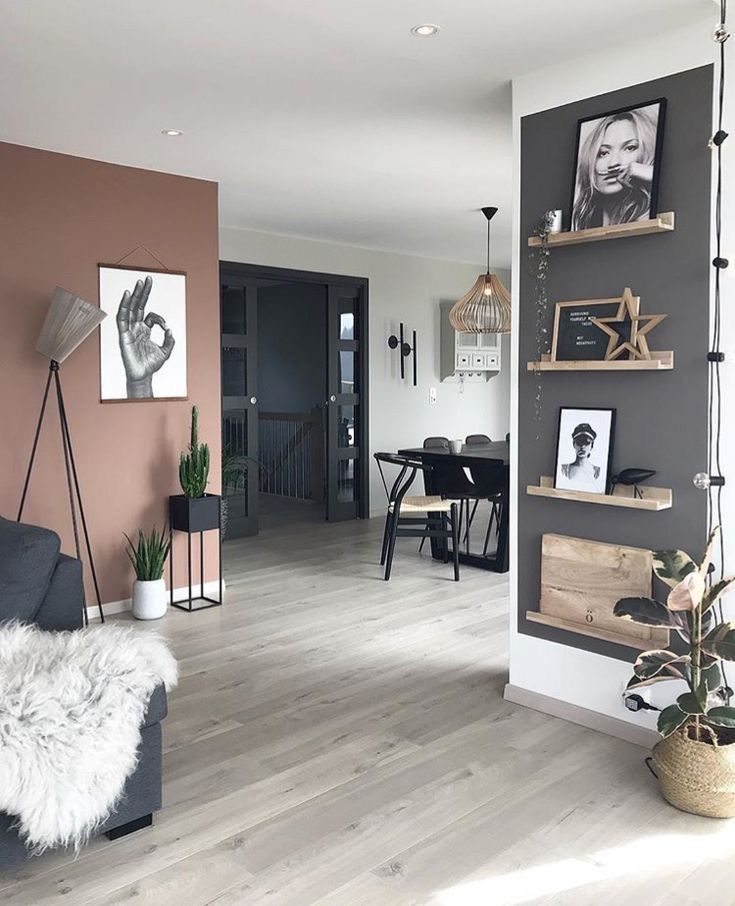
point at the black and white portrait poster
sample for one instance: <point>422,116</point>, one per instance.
<point>617,165</point>
<point>143,341</point>
<point>584,449</point>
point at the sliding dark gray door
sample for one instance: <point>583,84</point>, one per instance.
<point>345,403</point>
<point>239,317</point>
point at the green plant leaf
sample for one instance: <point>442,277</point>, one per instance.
<point>652,663</point>
<point>722,717</point>
<point>720,642</point>
<point>672,566</point>
<point>646,611</point>
<point>637,683</point>
<point>707,557</point>
<point>712,677</point>
<point>670,719</point>
<point>689,703</point>
<point>688,594</point>
<point>148,556</point>
<point>718,589</point>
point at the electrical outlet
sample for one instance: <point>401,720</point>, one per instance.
<point>643,691</point>
<point>432,394</point>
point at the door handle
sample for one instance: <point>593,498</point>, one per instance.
<point>253,400</point>
<point>332,399</point>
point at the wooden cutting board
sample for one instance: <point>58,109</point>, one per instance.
<point>582,580</point>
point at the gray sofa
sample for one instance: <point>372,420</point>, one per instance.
<point>38,584</point>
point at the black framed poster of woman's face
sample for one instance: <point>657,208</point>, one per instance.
<point>617,166</point>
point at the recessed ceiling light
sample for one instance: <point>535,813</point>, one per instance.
<point>425,31</point>
<point>171,132</point>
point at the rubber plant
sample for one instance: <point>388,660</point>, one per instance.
<point>689,610</point>
<point>194,465</point>
<point>148,556</point>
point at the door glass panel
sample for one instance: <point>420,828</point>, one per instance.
<point>346,435</point>
<point>234,371</point>
<point>347,372</point>
<point>233,310</point>
<point>347,325</point>
<point>345,480</point>
<point>234,451</point>
<point>489,340</point>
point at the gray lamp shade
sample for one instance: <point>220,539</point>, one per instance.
<point>70,320</point>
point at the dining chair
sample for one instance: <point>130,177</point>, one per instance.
<point>433,443</point>
<point>450,479</point>
<point>436,443</point>
<point>476,440</point>
<point>415,517</point>
<point>491,481</point>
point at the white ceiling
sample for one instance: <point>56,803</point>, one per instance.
<point>319,118</point>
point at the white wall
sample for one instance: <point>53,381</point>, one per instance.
<point>568,674</point>
<point>402,288</point>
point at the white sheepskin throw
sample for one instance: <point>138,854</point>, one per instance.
<point>71,709</point>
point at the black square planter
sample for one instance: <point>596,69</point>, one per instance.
<point>194,514</point>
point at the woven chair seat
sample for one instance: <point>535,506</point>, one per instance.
<point>424,505</point>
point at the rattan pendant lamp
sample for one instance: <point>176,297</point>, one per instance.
<point>486,307</point>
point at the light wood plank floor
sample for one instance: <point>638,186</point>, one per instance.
<point>340,740</point>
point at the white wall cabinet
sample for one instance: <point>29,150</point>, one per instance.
<point>467,356</point>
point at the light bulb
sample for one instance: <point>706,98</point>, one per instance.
<point>702,481</point>
<point>488,291</point>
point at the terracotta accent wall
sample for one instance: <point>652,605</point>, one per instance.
<point>59,217</point>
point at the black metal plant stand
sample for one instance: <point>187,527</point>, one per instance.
<point>72,479</point>
<point>195,516</point>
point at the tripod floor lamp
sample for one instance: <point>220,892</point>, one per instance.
<point>70,320</point>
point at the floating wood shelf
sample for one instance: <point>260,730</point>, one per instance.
<point>664,223</point>
<point>593,631</point>
<point>659,361</point>
<point>654,499</point>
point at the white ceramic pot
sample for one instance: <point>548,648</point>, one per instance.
<point>149,599</point>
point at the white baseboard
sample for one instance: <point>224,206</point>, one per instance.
<point>211,589</point>
<point>640,736</point>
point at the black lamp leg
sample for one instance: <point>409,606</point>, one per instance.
<point>67,437</point>
<point>35,444</point>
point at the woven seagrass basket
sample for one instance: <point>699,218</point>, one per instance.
<point>696,777</point>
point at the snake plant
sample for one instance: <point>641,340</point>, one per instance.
<point>148,556</point>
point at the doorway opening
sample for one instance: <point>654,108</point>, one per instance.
<point>294,397</point>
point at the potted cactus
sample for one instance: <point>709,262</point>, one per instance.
<point>148,557</point>
<point>695,760</point>
<point>194,510</point>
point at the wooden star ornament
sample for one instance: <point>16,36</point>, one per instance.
<point>629,314</point>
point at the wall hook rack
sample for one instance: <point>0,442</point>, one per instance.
<point>406,349</point>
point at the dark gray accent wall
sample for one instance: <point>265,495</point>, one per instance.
<point>292,346</point>
<point>661,417</point>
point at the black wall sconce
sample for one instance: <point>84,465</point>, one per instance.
<point>399,342</point>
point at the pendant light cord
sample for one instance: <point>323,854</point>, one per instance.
<point>714,436</point>
<point>488,246</point>
<point>715,386</point>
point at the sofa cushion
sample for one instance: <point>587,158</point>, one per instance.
<point>27,559</point>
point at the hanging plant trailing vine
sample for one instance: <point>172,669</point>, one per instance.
<point>541,258</point>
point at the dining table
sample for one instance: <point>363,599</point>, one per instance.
<point>497,453</point>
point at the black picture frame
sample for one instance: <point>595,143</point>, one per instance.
<point>590,343</point>
<point>582,414</point>
<point>658,150</point>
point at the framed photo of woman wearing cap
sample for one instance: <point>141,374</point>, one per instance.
<point>584,449</point>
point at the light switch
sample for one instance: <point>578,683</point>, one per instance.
<point>432,394</point>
